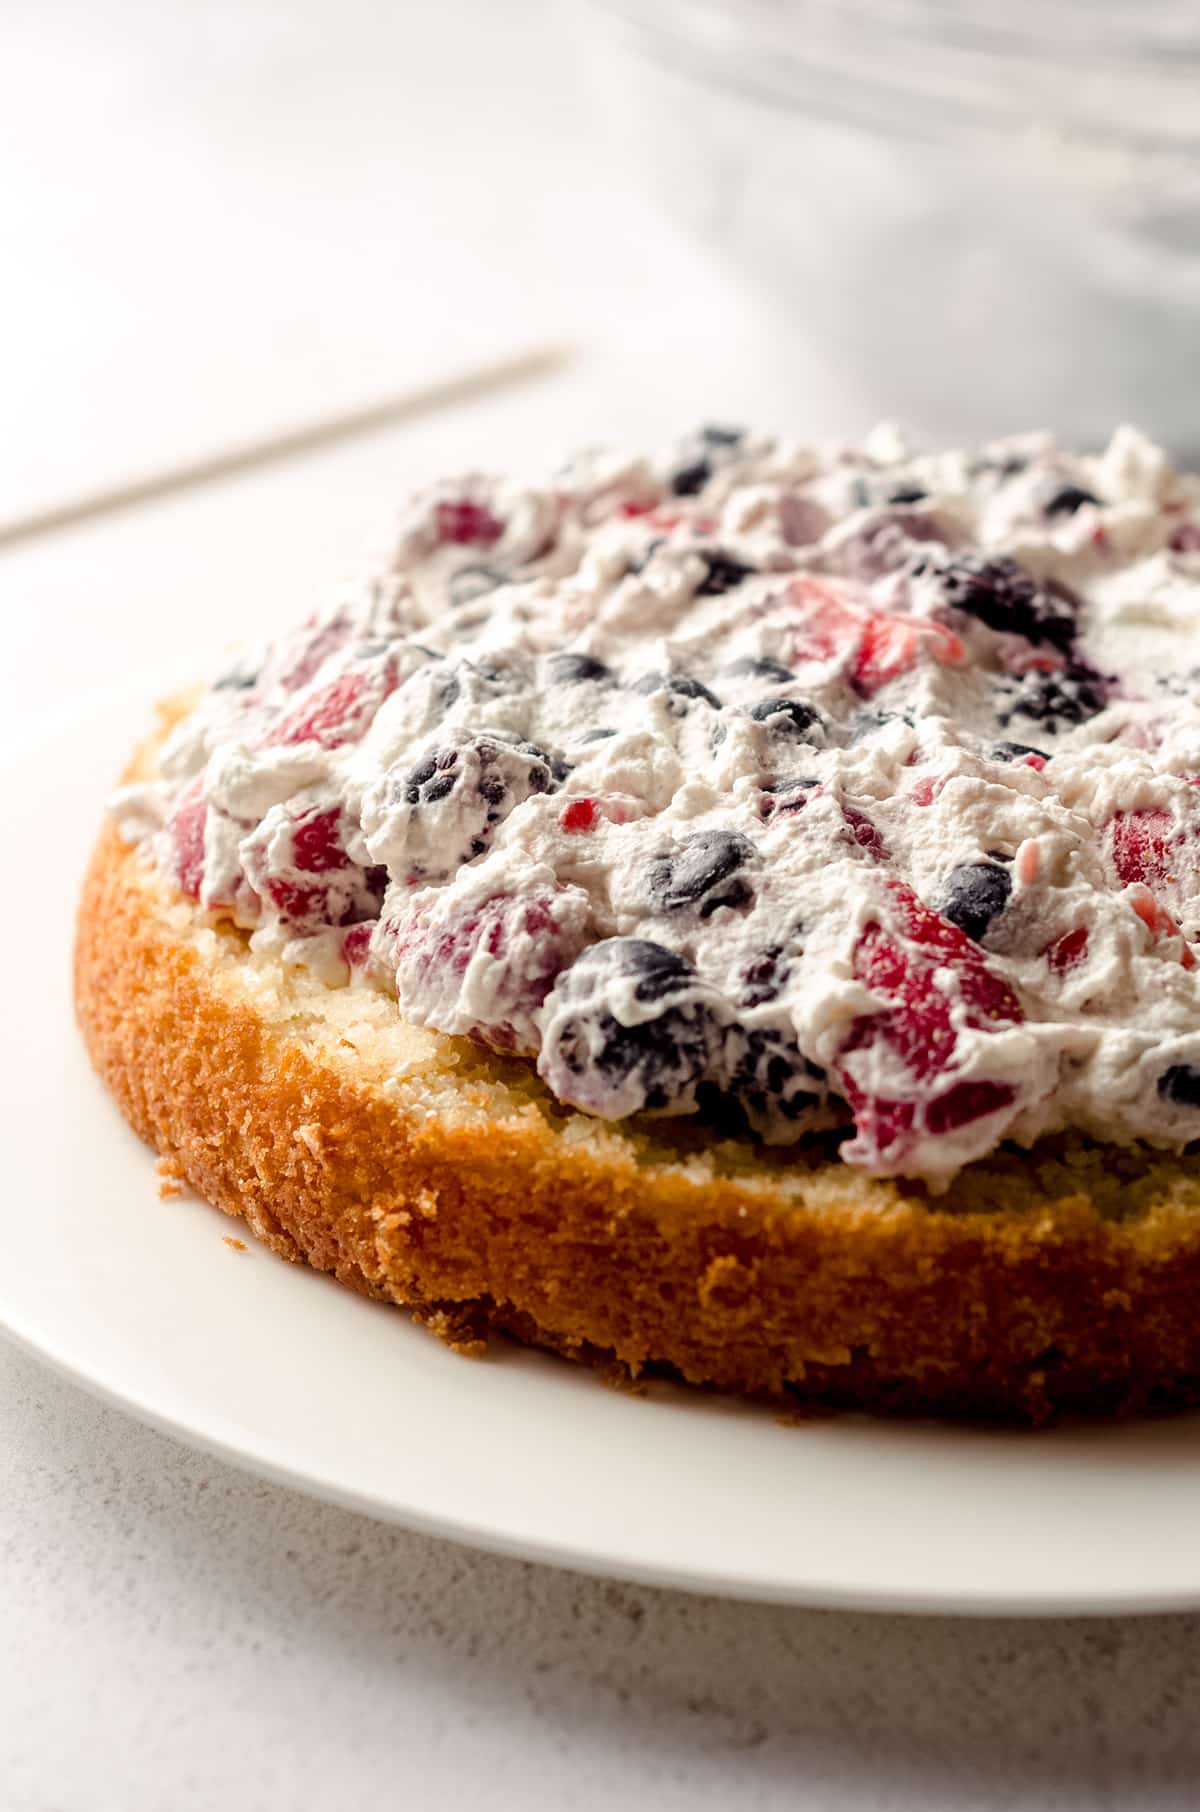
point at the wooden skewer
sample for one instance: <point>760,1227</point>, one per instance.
<point>288,443</point>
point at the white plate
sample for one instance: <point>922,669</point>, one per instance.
<point>282,1371</point>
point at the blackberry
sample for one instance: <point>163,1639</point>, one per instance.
<point>573,669</point>
<point>763,976</point>
<point>1066,499</point>
<point>1056,701</point>
<point>627,1027</point>
<point>724,572</point>
<point>1012,751</point>
<point>1180,1085</point>
<point>690,479</point>
<point>908,493</point>
<point>787,795</point>
<point>758,666</point>
<point>454,799</point>
<point>976,894</point>
<point>701,872</point>
<point>1004,597</point>
<point>790,717</point>
<point>717,436</point>
<point>775,1085</point>
<point>682,686</point>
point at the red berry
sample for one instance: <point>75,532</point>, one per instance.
<point>1068,950</point>
<point>356,943</point>
<point>1139,846</point>
<point>466,524</point>
<point>578,815</point>
<point>865,834</point>
<point>317,843</point>
<point>1186,538</point>
<point>339,712</point>
<point>186,830</point>
<point>965,1102</point>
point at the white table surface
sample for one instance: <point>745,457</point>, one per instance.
<point>228,217</point>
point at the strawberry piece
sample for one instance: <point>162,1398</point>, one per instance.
<point>922,971</point>
<point>185,828</point>
<point>1067,951</point>
<point>1139,846</point>
<point>314,645</point>
<point>356,944</point>
<point>887,649</point>
<point>338,712</point>
<point>466,524</point>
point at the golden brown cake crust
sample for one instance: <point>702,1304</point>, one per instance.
<point>1067,1278</point>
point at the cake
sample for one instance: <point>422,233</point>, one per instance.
<point>730,914</point>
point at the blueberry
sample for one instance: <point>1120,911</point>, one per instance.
<point>867,722</point>
<point>680,685</point>
<point>572,669</point>
<point>1004,597</point>
<point>473,582</point>
<point>977,892</point>
<point>601,734</point>
<point>1012,751</point>
<point>690,479</point>
<point>758,666</point>
<point>908,493</point>
<point>701,872</point>
<point>239,678</point>
<point>1180,1084</point>
<point>614,1055</point>
<point>763,977</point>
<point>715,436</point>
<point>1054,700</point>
<point>788,717</point>
<point>1066,499</point>
<point>787,795</point>
<point>724,572</point>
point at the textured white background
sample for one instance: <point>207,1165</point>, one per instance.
<point>217,219</point>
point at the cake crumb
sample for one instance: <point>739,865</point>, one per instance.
<point>312,1135</point>
<point>239,1245</point>
<point>170,1178</point>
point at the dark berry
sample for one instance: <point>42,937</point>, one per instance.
<point>601,734</point>
<point>1012,751</point>
<point>908,493</point>
<point>1180,1084</point>
<point>787,795</point>
<point>1057,701</point>
<point>682,686</point>
<point>471,582</point>
<point>624,1029</point>
<point>759,666</point>
<point>702,872</point>
<point>724,572</point>
<point>1066,499</point>
<point>1003,596</point>
<point>789,717</point>
<point>771,1080</point>
<point>690,479</point>
<point>239,678</point>
<point>457,794</point>
<point>763,977</point>
<point>716,436</point>
<point>572,669</point>
<point>976,893</point>
<point>868,722</point>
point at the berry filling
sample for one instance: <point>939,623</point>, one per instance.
<point>845,792</point>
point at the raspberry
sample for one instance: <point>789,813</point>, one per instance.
<point>514,949</point>
<point>296,860</point>
<point>466,524</point>
<point>1139,846</point>
<point>578,815</point>
<point>922,974</point>
<point>185,827</point>
<point>865,834</point>
<point>1068,951</point>
<point>316,842</point>
<point>339,712</point>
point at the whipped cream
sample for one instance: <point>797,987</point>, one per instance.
<point>830,793</point>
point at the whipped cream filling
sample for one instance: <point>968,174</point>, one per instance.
<point>838,792</point>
